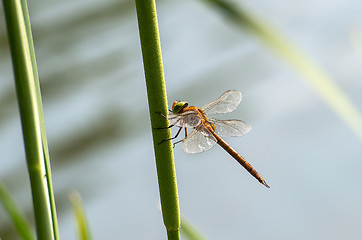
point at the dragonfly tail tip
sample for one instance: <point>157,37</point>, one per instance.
<point>265,184</point>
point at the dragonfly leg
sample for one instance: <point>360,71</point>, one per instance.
<point>178,133</point>
<point>165,127</point>
<point>174,144</point>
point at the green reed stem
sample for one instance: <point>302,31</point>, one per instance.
<point>32,117</point>
<point>315,77</point>
<point>21,224</point>
<point>79,216</point>
<point>157,100</point>
<point>189,231</point>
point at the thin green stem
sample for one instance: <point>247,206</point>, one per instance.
<point>157,100</point>
<point>79,216</point>
<point>41,118</point>
<point>32,119</point>
<point>189,231</point>
<point>20,222</point>
<point>318,80</point>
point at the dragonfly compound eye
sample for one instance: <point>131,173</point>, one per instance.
<point>178,106</point>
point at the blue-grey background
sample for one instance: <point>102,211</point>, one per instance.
<point>98,128</point>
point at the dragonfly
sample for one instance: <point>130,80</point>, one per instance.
<point>207,131</point>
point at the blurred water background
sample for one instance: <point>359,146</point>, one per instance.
<point>98,128</point>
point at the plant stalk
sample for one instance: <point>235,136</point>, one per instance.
<point>32,117</point>
<point>157,100</point>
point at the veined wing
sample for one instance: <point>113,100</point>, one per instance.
<point>226,103</point>
<point>199,140</point>
<point>189,119</point>
<point>232,128</point>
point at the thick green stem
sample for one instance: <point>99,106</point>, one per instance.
<point>156,91</point>
<point>32,119</point>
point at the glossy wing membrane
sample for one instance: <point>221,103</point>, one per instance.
<point>199,140</point>
<point>188,119</point>
<point>232,128</point>
<point>226,103</point>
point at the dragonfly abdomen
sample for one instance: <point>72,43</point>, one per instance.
<point>240,160</point>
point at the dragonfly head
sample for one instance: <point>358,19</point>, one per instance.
<point>178,106</point>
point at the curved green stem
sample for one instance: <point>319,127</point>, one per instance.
<point>157,100</point>
<point>20,222</point>
<point>318,80</point>
<point>189,231</point>
<point>79,216</point>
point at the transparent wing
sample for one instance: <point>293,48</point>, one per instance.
<point>226,103</point>
<point>189,119</point>
<point>232,128</point>
<point>199,140</point>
